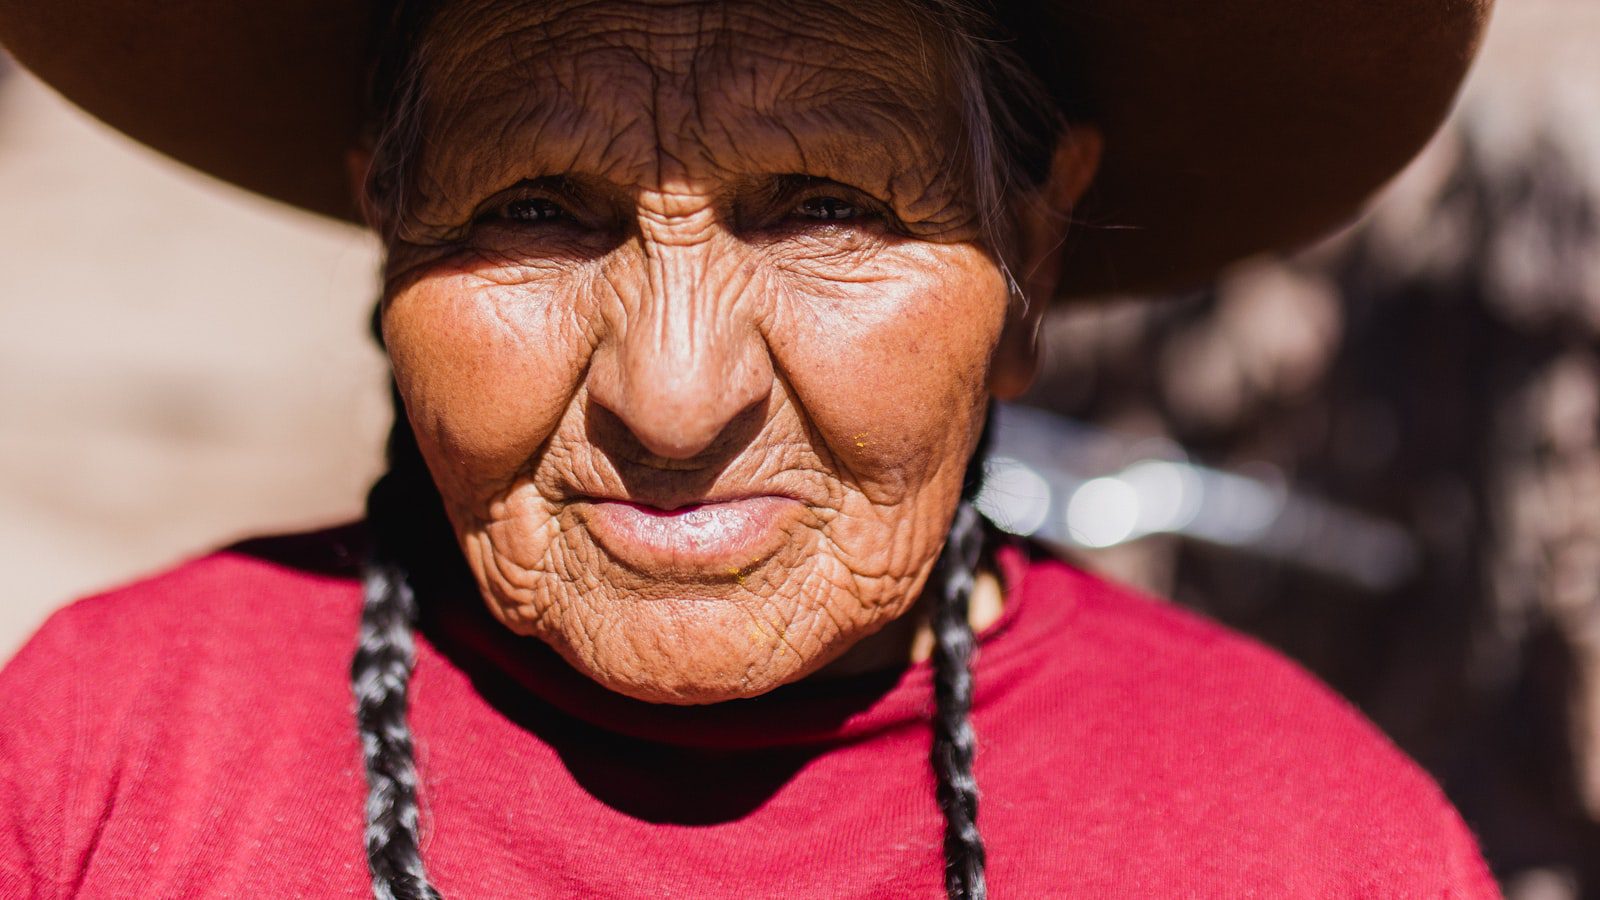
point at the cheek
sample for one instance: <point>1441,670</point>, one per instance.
<point>893,370</point>
<point>486,372</point>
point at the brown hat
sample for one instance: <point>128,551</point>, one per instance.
<point>1231,127</point>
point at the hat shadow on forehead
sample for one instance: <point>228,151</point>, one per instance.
<point>681,104</point>
<point>1230,127</point>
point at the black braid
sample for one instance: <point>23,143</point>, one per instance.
<point>954,743</point>
<point>381,673</point>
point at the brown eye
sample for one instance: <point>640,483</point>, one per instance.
<point>533,209</point>
<point>828,209</point>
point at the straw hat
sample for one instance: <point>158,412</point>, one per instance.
<point>1231,127</point>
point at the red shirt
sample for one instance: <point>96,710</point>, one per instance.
<point>192,736</point>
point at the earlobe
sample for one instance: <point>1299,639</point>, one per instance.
<point>1016,359</point>
<point>1043,219</point>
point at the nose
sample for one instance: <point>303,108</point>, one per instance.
<point>681,366</point>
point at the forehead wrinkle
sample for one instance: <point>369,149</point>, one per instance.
<point>700,100</point>
<point>511,89</point>
<point>822,105</point>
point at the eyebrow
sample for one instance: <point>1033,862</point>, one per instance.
<point>565,185</point>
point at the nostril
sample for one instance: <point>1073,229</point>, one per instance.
<point>671,442</point>
<point>680,401</point>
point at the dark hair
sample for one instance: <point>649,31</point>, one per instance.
<point>954,743</point>
<point>381,670</point>
<point>1011,124</point>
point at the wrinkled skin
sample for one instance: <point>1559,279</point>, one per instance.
<point>609,283</point>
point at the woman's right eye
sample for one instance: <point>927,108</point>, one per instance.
<point>532,209</point>
<point>828,209</point>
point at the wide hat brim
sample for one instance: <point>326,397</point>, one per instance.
<point>1231,127</point>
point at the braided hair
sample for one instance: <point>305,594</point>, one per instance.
<point>380,675</point>
<point>954,743</point>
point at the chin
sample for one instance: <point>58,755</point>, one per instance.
<point>674,690</point>
<point>667,681</point>
<point>694,653</point>
<point>690,634</point>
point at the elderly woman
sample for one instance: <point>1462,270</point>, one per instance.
<point>696,310</point>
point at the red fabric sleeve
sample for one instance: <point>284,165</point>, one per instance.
<point>41,745</point>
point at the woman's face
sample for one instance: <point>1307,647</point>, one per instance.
<point>690,314</point>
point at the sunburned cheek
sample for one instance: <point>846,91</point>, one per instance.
<point>485,372</point>
<point>895,375</point>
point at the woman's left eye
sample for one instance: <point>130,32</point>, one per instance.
<point>533,209</point>
<point>828,209</point>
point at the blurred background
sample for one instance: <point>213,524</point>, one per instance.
<point>182,365</point>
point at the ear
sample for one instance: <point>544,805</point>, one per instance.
<point>357,165</point>
<point>1042,217</point>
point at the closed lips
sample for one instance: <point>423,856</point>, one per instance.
<point>721,536</point>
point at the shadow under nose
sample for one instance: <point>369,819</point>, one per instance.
<point>650,476</point>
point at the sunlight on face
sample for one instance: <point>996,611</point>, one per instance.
<point>690,315</point>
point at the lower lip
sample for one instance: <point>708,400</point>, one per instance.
<point>729,536</point>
